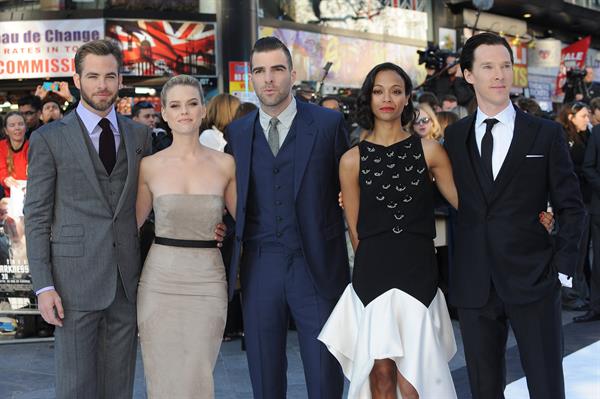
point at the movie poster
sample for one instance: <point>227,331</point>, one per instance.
<point>165,48</point>
<point>15,280</point>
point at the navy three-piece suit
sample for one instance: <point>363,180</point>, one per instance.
<point>290,246</point>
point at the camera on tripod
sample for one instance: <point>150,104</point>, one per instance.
<point>575,84</point>
<point>433,57</point>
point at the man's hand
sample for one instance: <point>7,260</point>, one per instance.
<point>41,92</point>
<point>220,233</point>
<point>547,220</point>
<point>50,306</point>
<point>64,92</point>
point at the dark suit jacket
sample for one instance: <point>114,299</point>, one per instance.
<point>321,140</point>
<point>591,169</point>
<point>499,238</point>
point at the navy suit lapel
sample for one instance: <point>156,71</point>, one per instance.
<point>305,139</point>
<point>524,134</point>
<point>243,157</point>
<point>74,131</point>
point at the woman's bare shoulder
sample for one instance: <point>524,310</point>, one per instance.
<point>350,159</point>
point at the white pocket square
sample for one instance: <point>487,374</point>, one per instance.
<point>534,156</point>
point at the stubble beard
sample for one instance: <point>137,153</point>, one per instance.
<point>99,106</point>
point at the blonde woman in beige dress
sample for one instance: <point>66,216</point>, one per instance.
<point>182,296</point>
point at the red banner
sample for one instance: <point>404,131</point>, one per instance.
<point>571,57</point>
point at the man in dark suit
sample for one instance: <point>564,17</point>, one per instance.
<point>82,239</point>
<point>591,170</point>
<point>294,259</point>
<point>507,165</point>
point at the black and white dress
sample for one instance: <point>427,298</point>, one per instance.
<point>393,308</point>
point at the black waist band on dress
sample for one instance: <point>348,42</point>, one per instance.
<point>173,242</point>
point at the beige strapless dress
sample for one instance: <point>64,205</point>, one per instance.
<point>182,300</point>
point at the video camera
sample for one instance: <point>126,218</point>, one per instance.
<point>433,57</point>
<point>575,84</point>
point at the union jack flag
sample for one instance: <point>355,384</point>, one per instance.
<point>165,47</point>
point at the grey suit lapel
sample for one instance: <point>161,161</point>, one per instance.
<point>130,147</point>
<point>73,132</point>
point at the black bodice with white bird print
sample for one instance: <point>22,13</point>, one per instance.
<point>396,193</point>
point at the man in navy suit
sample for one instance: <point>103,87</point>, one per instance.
<point>294,259</point>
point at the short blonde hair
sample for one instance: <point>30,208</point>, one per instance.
<point>221,110</point>
<point>180,80</point>
<point>436,130</point>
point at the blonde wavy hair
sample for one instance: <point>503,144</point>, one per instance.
<point>436,130</point>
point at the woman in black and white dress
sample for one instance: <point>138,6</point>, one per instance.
<point>390,330</point>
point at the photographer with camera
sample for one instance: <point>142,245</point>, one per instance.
<point>580,86</point>
<point>444,76</point>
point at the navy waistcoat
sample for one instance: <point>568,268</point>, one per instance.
<point>271,215</point>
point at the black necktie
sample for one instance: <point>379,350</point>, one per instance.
<point>106,149</point>
<point>487,147</point>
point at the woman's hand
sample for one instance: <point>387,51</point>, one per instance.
<point>547,220</point>
<point>11,182</point>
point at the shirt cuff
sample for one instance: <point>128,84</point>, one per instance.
<point>50,288</point>
<point>565,280</point>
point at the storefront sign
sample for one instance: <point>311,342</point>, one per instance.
<point>165,48</point>
<point>520,65</point>
<point>545,54</point>
<point>44,49</point>
<point>240,84</point>
<point>572,57</point>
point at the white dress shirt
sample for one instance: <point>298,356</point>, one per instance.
<point>286,117</point>
<point>502,133</point>
<point>213,138</point>
<point>90,121</point>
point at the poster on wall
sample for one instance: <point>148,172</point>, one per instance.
<point>311,51</point>
<point>15,280</point>
<point>44,49</point>
<point>520,65</point>
<point>447,39</point>
<point>165,48</point>
<point>545,54</point>
<point>379,17</point>
<point>240,84</point>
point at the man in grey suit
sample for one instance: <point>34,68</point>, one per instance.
<point>82,237</point>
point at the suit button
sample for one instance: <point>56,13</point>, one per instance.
<point>279,218</point>
<point>114,244</point>
<point>275,170</point>
<point>278,234</point>
<point>277,202</point>
<point>277,187</point>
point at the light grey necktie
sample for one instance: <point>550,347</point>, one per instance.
<point>273,136</point>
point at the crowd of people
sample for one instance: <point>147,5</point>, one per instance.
<point>106,193</point>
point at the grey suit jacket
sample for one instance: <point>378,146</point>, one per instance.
<point>75,242</point>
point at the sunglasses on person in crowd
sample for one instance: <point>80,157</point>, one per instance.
<point>422,121</point>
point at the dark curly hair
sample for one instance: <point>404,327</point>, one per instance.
<point>364,113</point>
